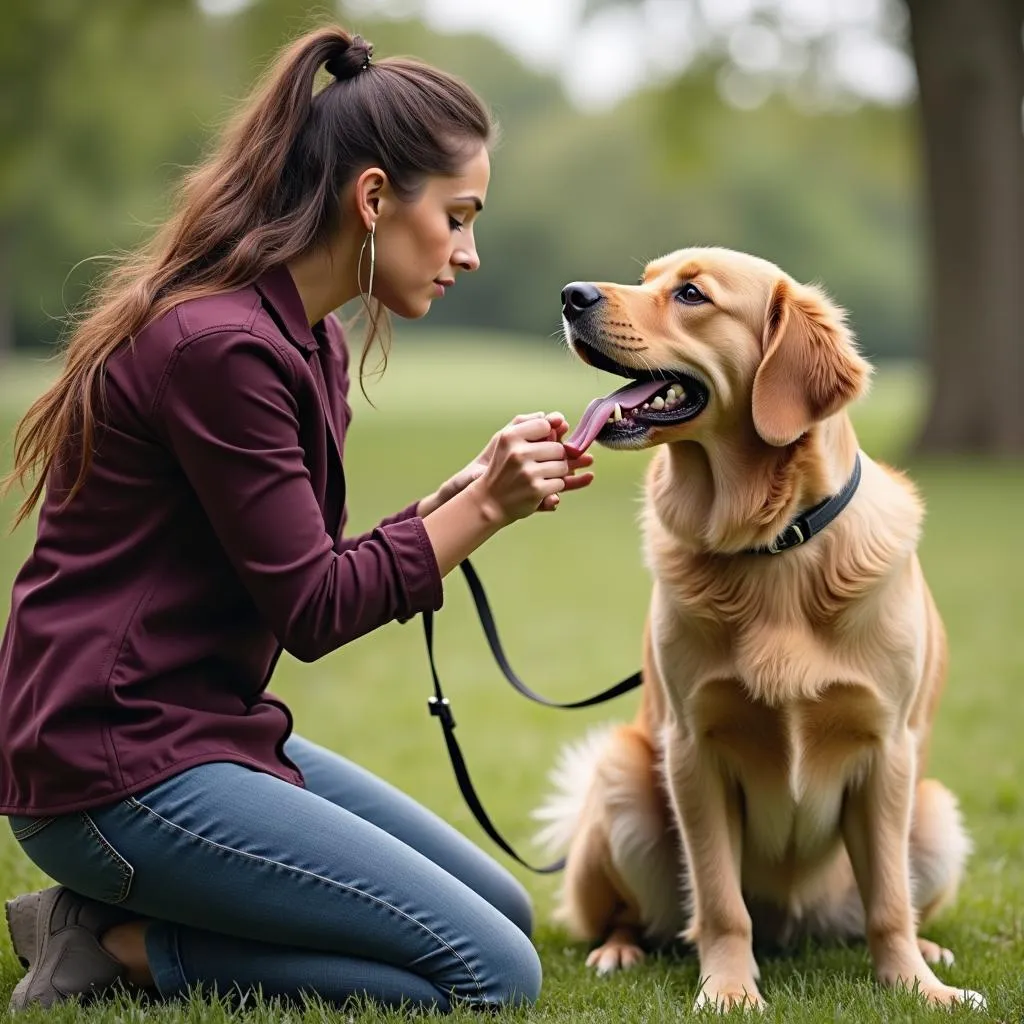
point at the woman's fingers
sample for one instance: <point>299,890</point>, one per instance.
<point>574,483</point>
<point>531,428</point>
<point>523,417</point>
<point>531,442</point>
<point>580,463</point>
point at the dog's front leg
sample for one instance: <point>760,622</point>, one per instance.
<point>876,830</point>
<point>707,808</point>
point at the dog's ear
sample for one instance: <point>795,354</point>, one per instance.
<point>810,367</point>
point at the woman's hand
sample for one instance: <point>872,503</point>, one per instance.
<point>557,428</point>
<point>521,471</point>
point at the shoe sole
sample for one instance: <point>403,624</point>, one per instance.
<point>22,916</point>
<point>23,913</point>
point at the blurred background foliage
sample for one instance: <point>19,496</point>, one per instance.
<point>103,105</point>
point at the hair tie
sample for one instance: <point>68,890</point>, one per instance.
<point>349,61</point>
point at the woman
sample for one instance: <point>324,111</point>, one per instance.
<point>191,529</point>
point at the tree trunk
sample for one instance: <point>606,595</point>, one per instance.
<point>970,67</point>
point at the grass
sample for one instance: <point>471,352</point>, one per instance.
<point>569,593</point>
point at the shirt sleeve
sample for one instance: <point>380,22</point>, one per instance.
<point>231,418</point>
<point>407,513</point>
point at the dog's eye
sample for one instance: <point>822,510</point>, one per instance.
<point>691,294</point>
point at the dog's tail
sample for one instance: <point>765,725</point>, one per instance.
<point>571,780</point>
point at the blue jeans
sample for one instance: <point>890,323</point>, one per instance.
<point>345,888</point>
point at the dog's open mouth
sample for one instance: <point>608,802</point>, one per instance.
<point>623,419</point>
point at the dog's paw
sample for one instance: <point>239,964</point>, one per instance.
<point>614,956</point>
<point>933,953</point>
<point>724,996</point>
<point>946,995</point>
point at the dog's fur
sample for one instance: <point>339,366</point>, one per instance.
<point>771,784</point>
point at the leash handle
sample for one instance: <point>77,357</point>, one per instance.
<point>440,707</point>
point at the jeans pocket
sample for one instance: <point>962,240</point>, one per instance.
<point>72,850</point>
<point>25,827</point>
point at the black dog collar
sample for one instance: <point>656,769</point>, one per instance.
<point>814,520</point>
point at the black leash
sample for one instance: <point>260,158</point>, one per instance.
<point>800,530</point>
<point>441,707</point>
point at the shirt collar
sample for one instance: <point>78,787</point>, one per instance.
<point>278,289</point>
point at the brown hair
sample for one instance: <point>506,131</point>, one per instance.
<point>269,192</point>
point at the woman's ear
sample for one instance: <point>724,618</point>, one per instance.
<point>810,367</point>
<point>369,188</point>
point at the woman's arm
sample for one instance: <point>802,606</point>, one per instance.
<point>229,414</point>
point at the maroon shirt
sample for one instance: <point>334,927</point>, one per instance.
<point>148,619</point>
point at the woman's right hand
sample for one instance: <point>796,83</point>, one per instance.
<point>526,468</point>
<point>522,470</point>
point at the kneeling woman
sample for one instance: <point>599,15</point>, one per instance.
<point>189,462</point>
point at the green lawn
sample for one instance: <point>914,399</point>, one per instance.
<point>569,594</point>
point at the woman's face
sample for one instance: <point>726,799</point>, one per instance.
<point>422,245</point>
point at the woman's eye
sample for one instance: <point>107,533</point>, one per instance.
<point>455,225</point>
<point>691,295</point>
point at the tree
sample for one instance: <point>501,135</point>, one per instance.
<point>970,70</point>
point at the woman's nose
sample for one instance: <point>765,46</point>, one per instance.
<point>467,259</point>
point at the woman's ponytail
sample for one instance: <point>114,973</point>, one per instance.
<point>269,193</point>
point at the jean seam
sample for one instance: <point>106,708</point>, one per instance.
<point>176,948</point>
<point>168,977</point>
<point>139,805</point>
<point>34,829</point>
<point>126,870</point>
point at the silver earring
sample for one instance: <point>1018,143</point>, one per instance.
<point>370,237</point>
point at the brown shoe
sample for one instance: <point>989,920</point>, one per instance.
<point>56,935</point>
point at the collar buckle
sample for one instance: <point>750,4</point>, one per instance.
<point>792,536</point>
<point>814,520</point>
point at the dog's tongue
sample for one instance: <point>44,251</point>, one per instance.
<point>596,414</point>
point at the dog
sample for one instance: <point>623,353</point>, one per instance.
<point>772,782</point>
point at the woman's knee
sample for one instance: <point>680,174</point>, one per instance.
<point>514,902</point>
<point>509,971</point>
<point>529,977</point>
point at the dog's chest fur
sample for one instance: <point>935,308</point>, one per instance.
<point>792,761</point>
<point>788,687</point>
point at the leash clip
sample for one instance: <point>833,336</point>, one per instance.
<point>442,709</point>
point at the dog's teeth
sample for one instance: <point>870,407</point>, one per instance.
<point>617,415</point>
<point>674,395</point>
<point>658,403</point>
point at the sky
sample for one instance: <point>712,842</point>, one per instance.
<point>623,47</point>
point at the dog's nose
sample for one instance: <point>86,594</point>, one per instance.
<point>577,297</point>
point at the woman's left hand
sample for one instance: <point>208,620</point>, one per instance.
<point>462,479</point>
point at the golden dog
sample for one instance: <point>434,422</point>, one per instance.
<point>772,780</point>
